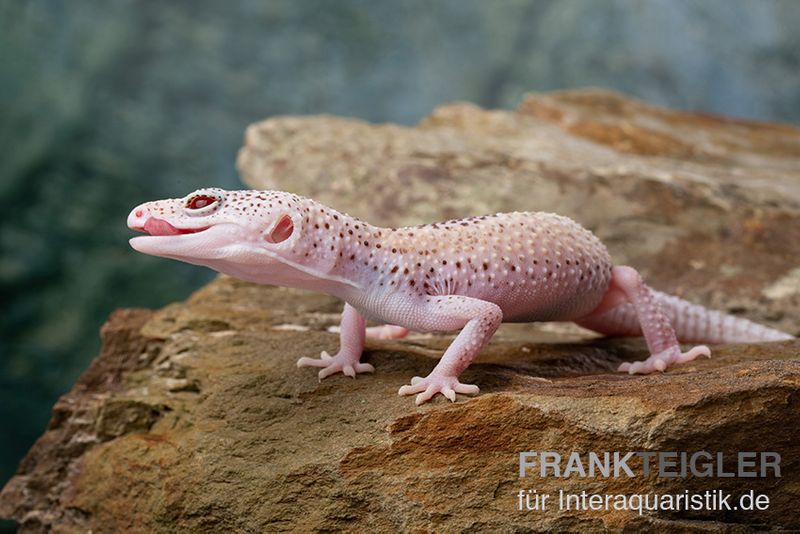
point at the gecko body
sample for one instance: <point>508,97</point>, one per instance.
<point>467,274</point>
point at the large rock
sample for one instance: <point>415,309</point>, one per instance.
<point>196,418</point>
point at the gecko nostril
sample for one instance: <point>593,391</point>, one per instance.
<point>139,213</point>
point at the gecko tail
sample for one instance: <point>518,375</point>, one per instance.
<point>692,323</point>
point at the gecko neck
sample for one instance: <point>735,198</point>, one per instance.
<point>288,274</point>
<point>333,253</point>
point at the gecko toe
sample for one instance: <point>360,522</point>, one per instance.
<point>694,352</point>
<point>326,372</point>
<point>417,386</point>
<point>635,368</point>
<point>406,390</point>
<point>426,395</point>
<point>310,362</point>
<point>364,368</point>
<point>467,389</point>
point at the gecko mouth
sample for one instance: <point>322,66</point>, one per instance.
<point>187,244</point>
<point>160,227</point>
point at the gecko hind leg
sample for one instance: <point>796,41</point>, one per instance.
<point>653,323</point>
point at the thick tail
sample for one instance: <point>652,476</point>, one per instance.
<point>692,323</point>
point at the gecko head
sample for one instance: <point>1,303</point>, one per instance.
<point>219,228</point>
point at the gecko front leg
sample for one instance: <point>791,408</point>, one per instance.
<point>478,320</point>
<point>351,345</point>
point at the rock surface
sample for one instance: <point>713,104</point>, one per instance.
<point>195,417</point>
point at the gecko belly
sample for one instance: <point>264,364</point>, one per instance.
<point>564,300</point>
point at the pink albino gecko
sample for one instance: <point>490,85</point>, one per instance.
<point>468,275</point>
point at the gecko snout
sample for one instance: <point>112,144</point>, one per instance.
<point>138,217</point>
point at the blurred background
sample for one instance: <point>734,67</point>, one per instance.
<point>105,104</point>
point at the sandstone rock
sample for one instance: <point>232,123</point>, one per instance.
<point>260,445</point>
<point>195,417</point>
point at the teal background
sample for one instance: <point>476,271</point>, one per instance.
<point>105,104</point>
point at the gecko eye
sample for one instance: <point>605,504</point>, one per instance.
<point>201,204</point>
<point>282,230</point>
<point>200,201</point>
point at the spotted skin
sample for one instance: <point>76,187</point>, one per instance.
<point>467,275</point>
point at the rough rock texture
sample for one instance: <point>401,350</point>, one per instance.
<point>195,417</point>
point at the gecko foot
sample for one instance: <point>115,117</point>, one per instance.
<point>341,363</point>
<point>386,331</point>
<point>660,361</point>
<point>432,384</point>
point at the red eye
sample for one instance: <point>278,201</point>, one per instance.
<point>199,202</point>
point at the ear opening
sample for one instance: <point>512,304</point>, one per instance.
<point>282,230</point>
